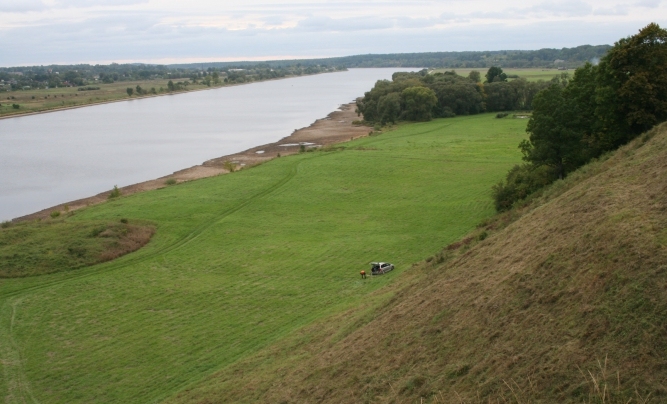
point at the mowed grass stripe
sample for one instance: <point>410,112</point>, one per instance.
<point>241,260</point>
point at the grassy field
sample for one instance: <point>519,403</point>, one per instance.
<point>240,261</point>
<point>37,100</point>
<point>560,300</point>
<point>528,74</point>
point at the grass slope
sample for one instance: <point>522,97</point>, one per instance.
<point>38,100</point>
<point>242,260</point>
<point>37,248</point>
<point>565,304</point>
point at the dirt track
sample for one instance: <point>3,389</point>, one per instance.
<point>337,127</point>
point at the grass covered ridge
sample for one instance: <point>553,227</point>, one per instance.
<point>562,299</point>
<point>243,260</point>
<point>43,247</point>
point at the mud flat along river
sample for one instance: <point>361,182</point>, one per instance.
<point>52,158</point>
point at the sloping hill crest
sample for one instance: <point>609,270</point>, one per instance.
<point>563,300</point>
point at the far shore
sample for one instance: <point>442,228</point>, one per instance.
<point>337,127</point>
<point>147,96</point>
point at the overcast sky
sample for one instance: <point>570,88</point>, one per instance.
<point>34,32</point>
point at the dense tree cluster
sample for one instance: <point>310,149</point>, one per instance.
<point>565,57</point>
<point>601,108</point>
<point>17,78</point>
<point>421,96</point>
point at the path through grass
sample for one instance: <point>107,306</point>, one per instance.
<point>241,260</point>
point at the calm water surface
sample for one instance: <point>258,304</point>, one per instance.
<point>57,157</point>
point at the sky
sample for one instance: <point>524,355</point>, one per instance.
<point>43,32</point>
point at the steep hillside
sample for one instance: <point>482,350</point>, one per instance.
<point>563,301</point>
<point>237,262</point>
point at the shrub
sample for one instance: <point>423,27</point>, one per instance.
<point>15,106</point>
<point>447,112</point>
<point>171,181</point>
<point>229,166</point>
<point>55,214</point>
<point>302,148</point>
<point>520,182</point>
<point>5,224</point>
<point>123,221</point>
<point>501,115</point>
<point>115,192</point>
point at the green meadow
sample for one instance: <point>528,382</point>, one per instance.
<point>239,261</point>
<point>534,74</point>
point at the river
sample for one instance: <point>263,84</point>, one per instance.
<point>52,158</point>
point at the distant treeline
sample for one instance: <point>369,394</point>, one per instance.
<point>421,96</point>
<point>17,78</point>
<point>566,57</point>
<point>597,110</point>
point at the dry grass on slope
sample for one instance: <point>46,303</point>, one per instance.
<point>529,314</point>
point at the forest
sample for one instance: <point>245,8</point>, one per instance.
<point>602,107</point>
<point>421,96</point>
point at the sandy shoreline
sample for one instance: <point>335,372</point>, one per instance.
<point>337,127</point>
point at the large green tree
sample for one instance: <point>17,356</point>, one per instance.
<point>495,74</point>
<point>555,139</point>
<point>632,86</point>
<point>418,103</point>
<point>389,108</point>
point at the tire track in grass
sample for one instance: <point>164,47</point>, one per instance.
<point>184,240</point>
<point>16,383</point>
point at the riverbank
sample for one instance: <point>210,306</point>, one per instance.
<point>337,127</point>
<point>106,94</point>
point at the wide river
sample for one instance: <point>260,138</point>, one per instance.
<point>61,156</point>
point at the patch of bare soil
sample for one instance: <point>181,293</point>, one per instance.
<point>337,127</point>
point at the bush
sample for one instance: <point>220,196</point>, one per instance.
<point>124,221</point>
<point>115,192</point>
<point>521,181</point>
<point>229,166</point>
<point>171,181</point>
<point>5,224</point>
<point>55,214</point>
<point>501,115</point>
<point>15,106</point>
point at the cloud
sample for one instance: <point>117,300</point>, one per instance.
<point>616,11</point>
<point>142,30</point>
<point>21,6</point>
<point>648,3</point>
<point>96,3</point>
<point>328,24</point>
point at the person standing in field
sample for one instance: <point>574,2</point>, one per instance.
<point>363,274</point>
